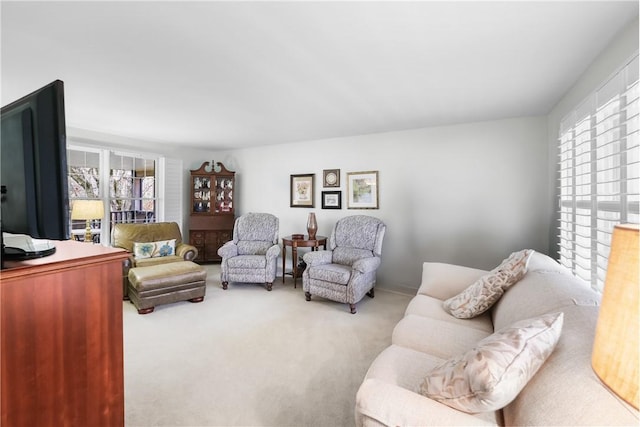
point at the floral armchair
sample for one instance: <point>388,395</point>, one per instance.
<point>252,254</point>
<point>347,270</point>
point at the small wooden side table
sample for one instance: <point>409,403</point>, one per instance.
<point>303,242</point>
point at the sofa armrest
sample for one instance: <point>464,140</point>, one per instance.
<point>273,252</point>
<point>186,251</point>
<point>317,258</point>
<point>228,250</point>
<point>366,265</point>
<point>443,281</point>
<point>391,405</point>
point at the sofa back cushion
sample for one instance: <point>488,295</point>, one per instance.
<point>125,235</point>
<point>443,281</point>
<point>565,389</point>
<point>546,287</point>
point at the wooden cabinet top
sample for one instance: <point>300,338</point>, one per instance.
<point>69,254</point>
<point>210,168</point>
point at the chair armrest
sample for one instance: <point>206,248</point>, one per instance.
<point>273,252</point>
<point>228,250</point>
<point>365,265</point>
<point>317,258</point>
<point>391,405</point>
<point>186,251</point>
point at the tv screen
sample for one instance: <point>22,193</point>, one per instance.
<point>33,166</point>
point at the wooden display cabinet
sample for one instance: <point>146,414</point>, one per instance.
<point>212,209</point>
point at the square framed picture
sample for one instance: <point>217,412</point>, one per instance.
<point>362,190</point>
<point>332,200</point>
<point>331,178</point>
<point>301,188</point>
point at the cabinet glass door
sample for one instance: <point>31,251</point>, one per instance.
<point>224,195</point>
<point>201,194</point>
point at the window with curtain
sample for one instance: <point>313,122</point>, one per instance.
<point>599,165</point>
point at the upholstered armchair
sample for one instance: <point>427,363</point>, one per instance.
<point>130,236</point>
<point>252,254</point>
<point>347,270</point>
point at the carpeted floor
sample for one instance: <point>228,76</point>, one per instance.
<point>248,357</point>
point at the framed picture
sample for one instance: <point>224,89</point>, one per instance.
<point>332,200</point>
<point>331,178</point>
<point>362,190</point>
<point>302,191</point>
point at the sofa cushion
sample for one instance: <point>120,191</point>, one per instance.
<point>429,307</point>
<point>156,249</point>
<point>484,292</point>
<point>492,374</point>
<point>405,368</point>
<point>334,273</point>
<point>439,338</point>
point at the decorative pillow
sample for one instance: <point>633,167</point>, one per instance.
<point>154,249</point>
<point>490,376</point>
<point>488,289</point>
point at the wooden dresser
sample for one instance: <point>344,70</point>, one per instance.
<point>61,346</point>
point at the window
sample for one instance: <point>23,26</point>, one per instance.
<point>125,182</point>
<point>84,184</point>
<point>132,189</point>
<point>599,164</point>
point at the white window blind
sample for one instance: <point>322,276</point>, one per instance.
<point>599,163</point>
<point>171,190</point>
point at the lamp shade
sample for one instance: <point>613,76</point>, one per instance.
<point>87,209</point>
<point>615,351</point>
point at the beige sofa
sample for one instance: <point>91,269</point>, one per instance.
<point>565,391</point>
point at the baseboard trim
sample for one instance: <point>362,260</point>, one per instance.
<point>398,289</point>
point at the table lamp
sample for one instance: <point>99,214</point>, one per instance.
<point>615,349</point>
<point>87,210</point>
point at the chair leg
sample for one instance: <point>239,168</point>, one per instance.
<point>146,310</point>
<point>307,296</point>
<point>197,299</point>
<point>269,286</point>
<point>371,293</point>
<point>352,307</point>
<point>224,285</point>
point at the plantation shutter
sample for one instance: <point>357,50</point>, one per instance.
<point>599,184</point>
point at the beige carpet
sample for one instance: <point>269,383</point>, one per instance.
<point>248,357</point>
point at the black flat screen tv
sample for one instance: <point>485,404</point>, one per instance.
<point>33,169</point>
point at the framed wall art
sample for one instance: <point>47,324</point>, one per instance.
<point>332,200</point>
<point>301,189</point>
<point>331,178</point>
<point>362,190</point>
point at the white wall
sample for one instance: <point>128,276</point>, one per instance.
<point>467,194</point>
<point>621,49</point>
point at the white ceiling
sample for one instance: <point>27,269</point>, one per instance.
<point>222,75</point>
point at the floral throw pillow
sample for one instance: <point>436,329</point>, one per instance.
<point>491,375</point>
<point>488,289</point>
<point>154,249</point>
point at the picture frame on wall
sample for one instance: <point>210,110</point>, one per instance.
<point>302,191</point>
<point>331,178</point>
<point>362,190</point>
<point>332,200</point>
